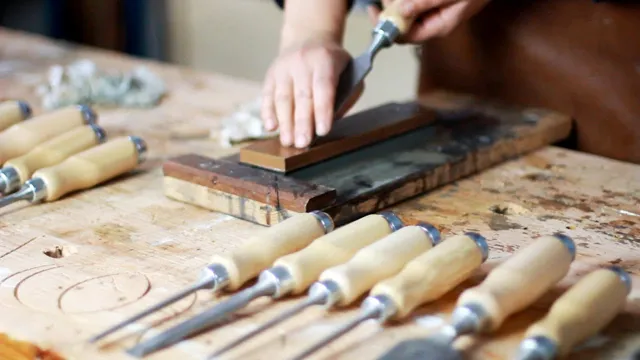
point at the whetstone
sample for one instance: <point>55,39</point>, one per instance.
<point>467,136</point>
<point>356,131</point>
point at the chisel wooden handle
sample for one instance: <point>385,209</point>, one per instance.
<point>92,167</point>
<point>434,273</point>
<point>20,138</point>
<point>380,260</point>
<point>521,279</point>
<point>393,14</point>
<point>335,248</point>
<point>13,112</point>
<point>56,150</point>
<point>262,250</point>
<point>583,310</point>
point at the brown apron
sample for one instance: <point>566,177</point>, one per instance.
<point>575,56</point>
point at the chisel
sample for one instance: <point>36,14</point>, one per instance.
<point>424,279</point>
<point>82,171</point>
<point>390,25</point>
<point>13,112</point>
<point>512,286</point>
<point>231,271</point>
<point>291,274</point>
<point>343,284</point>
<point>20,138</point>
<point>18,170</point>
<point>579,313</point>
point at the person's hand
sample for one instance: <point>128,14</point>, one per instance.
<point>433,18</point>
<point>299,91</point>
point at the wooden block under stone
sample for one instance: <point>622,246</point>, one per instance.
<point>467,137</point>
<point>348,134</point>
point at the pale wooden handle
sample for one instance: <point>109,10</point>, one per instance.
<point>434,273</point>
<point>377,262</point>
<point>392,13</point>
<point>89,168</point>
<point>13,112</point>
<point>56,150</point>
<point>262,250</point>
<point>22,137</point>
<point>521,279</point>
<point>332,249</point>
<point>583,310</point>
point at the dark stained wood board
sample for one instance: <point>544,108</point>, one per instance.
<point>348,134</point>
<point>467,137</point>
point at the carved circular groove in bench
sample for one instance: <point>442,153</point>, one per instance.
<point>103,293</point>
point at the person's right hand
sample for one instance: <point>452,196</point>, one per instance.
<point>299,91</point>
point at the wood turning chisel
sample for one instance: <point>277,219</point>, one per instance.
<point>511,287</point>
<point>20,138</point>
<point>231,271</point>
<point>13,112</point>
<point>291,274</point>
<point>82,171</point>
<point>341,285</point>
<point>424,279</point>
<point>390,25</point>
<point>581,312</point>
<point>16,171</point>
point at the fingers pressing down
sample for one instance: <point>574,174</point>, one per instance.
<point>299,92</point>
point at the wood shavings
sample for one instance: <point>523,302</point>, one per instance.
<point>244,124</point>
<point>82,82</point>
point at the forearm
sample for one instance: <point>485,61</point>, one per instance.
<point>313,20</point>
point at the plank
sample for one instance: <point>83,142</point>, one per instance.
<point>249,182</point>
<point>126,245</point>
<point>466,137</point>
<point>348,134</point>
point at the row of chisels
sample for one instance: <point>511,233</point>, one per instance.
<point>47,156</point>
<point>399,268</point>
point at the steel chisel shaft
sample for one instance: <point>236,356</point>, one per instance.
<point>231,271</point>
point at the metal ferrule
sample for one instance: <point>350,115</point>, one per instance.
<point>89,116</point>
<point>624,276</point>
<point>537,348</point>
<point>327,290</point>
<point>214,277</point>
<point>25,109</point>
<point>101,134</point>
<point>481,242</point>
<point>325,220</point>
<point>568,243</point>
<point>280,278</point>
<point>394,221</point>
<point>387,31</point>
<point>36,188</point>
<point>382,304</point>
<point>9,180</point>
<point>141,148</point>
<point>469,319</point>
<point>431,232</point>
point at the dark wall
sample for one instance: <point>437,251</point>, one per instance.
<point>136,27</point>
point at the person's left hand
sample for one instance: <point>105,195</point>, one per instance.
<point>433,18</point>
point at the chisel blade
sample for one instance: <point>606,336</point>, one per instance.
<point>422,349</point>
<point>350,79</point>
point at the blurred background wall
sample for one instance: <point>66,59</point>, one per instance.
<point>237,37</point>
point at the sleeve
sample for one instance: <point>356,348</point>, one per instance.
<point>350,3</point>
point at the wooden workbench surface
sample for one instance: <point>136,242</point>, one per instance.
<point>125,246</point>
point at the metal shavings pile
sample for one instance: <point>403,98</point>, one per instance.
<point>244,124</point>
<point>83,83</point>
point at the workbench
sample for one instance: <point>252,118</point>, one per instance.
<point>71,268</point>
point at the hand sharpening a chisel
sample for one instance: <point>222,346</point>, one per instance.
<point>314,81</point>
